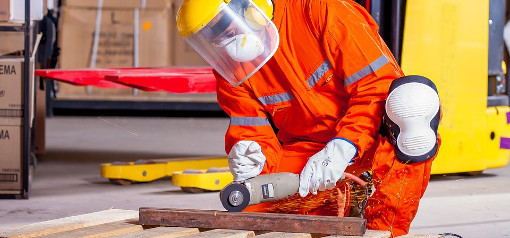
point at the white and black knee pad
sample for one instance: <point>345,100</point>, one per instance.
<point>412,117</point>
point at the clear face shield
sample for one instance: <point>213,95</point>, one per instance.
<point>238,41</point>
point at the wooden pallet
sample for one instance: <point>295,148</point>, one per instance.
<point>124,223</point>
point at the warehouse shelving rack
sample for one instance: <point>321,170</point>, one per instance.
<point>26,145</point>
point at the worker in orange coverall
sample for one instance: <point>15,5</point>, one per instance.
<point>318,71</point>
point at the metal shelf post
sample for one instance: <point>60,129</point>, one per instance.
<point>26,108</point>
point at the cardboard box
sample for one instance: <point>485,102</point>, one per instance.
<point>183,54</point>
<point>12,90</point>
<point>11,139</point>
<point>14,10</point>
<point>12,41</point>
<point>129,33</point>
<point>120,4</point>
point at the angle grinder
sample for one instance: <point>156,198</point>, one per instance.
<point>237,195</point>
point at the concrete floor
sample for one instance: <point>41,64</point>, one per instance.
<point>67,179</point>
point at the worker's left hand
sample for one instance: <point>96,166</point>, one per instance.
<point>326,167</point>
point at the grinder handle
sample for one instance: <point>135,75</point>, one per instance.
<point>272,187</point>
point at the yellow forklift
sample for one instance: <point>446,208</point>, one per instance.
<point>460,46</point>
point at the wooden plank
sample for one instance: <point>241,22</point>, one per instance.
<point>222,233</point>
<point>100,231</point>
<point>69,223</point>
<point>160,232</point>
<point>351,226</point>
<point>368,234</point>
<point>284,235</point>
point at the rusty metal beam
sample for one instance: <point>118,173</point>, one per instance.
<point>348,226</point>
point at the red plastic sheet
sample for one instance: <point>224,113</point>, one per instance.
<point>174,80</point>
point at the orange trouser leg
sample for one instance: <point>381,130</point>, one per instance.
<point>398,190</point>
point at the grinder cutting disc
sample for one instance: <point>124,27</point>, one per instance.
<point>235,197</point>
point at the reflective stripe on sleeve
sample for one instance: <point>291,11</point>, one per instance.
<point>249,121</point>
<point>284,97</point>
<point>371,68</point>
<point>319,72</point>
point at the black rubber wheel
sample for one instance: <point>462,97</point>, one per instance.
<point>192,190</point>
<point>472,173</point>
<point>122,182</point>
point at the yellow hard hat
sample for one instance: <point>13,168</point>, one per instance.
<point>267,6</point>
<point>193,15</point>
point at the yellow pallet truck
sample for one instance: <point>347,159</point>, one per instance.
<point>126,173</point>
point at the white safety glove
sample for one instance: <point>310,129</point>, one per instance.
<point>246,160</point>
<point>326,167</point>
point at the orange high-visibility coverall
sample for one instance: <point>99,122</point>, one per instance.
<point>329,78</point>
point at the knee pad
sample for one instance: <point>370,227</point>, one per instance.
<point>412,116</point>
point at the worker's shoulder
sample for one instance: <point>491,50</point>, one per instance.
<point>339,8</point>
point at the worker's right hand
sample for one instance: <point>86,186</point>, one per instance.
<point>246,160</point>
<point>325,168</point>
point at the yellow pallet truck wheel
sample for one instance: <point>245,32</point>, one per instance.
<point>121,181</point>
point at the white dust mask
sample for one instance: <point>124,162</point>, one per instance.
<point>243,47</point>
